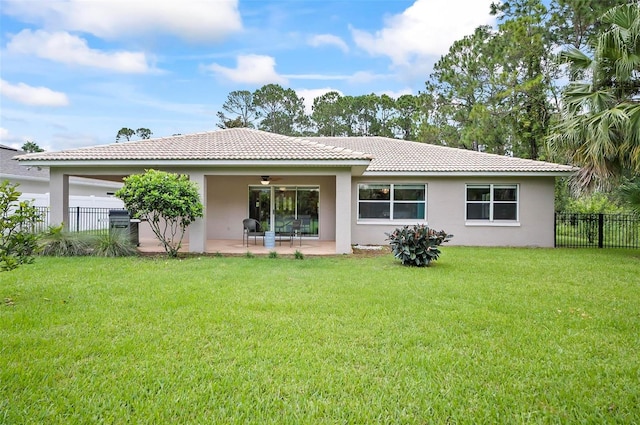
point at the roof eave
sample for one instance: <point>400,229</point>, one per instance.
<point>197,163</point>
<point>6,176</point>
<point>548,173</point>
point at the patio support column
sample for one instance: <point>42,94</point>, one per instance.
<point>198,229</point>
<point>58,198</point>
<point>343,212</point>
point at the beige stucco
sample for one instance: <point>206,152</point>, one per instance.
<point>446,211</point>
<point>226,195</point>
<point>227,203</point>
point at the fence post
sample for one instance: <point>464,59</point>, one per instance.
<point>600,230</point>
<point>555,229</point>
<point>77,219</point>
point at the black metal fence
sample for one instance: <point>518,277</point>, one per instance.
<point>578,230</point>
<point>80,219</point>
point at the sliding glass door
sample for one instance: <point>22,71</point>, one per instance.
<point>275,207</point>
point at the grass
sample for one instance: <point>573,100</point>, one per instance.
<point>483,336</point>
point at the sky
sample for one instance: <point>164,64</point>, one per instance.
<point>74,72</point>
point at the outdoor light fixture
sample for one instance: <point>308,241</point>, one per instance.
<point>264,180</point>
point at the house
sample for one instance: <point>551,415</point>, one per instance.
<point>351,190</point>
<point>33,183</point>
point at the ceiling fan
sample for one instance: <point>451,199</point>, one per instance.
<point>265,180</point>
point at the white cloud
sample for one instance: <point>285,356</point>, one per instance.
<point>426,29</point>
<point>8,139</point>
<point>395,94</point>
<point>328,40</point>
<point>5,137</point>
<point>250,69</point>
<point>34,96</point>
<point>66,48</point>
<point>310,95</point>
<point>70,49</point>
<point>193,20</point>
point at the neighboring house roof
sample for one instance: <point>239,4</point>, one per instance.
<point>9,167</point>
<point>381,155</point>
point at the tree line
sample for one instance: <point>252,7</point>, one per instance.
<point>279,110</point>
<point>503,90</point>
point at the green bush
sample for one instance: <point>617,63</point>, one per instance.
<point>168,202</point>
<point>58,243</point>
<point>113,244</point>
<point>17,218</point>
<point>416,245</point>
<point>594,203</point>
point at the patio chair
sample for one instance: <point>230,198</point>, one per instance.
<point>251,227</point>
<point>296,231</point>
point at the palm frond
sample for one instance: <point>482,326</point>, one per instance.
<point>577,60</point>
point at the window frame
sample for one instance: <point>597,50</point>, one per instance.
<point>491,202</point>
<point>392,202</point>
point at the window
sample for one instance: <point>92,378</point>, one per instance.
<point>492,202</point>
<point>392,201</point>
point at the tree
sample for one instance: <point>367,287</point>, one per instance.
<point>386,112</point>
<point>360,114</point>
<point>31,147</point>
<point>576,22</point>
<point>630,193</point>
<point>144,133</point>
<point>525,46</point>
<point>281,110</point>
<point>599,128</point>
<point>240,104</point>
<point>328,115</point>
<point>467,93</point>
<point>125,133</point>
<point>18,242</point>
<point>168,202</point>
<point>413,116</point>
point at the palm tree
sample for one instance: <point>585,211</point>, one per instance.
<point>599,127</point>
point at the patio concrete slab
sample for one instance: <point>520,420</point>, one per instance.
<point>235,247</point>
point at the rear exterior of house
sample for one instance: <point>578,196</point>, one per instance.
<point>348,190</point>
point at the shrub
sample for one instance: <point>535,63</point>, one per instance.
<point>169,202</point>
<point>416,245</point>
<point>58,243</point>
<point>273,254</point>
<point>17,239</point>
<point>113,244</point>
<point>594,203</point>
<point>298,255</point>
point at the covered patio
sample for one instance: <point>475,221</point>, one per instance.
<point>237,247</point>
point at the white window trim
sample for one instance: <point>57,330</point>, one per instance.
<point>492,222</point>
<point>382,221</point>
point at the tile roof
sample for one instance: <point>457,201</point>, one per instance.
<point>386,155</point>
<point>230,144</point>
<point>392,155</point>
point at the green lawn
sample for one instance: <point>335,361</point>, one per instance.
<point>482,336</point>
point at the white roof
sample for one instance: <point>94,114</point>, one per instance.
<point>383,155</point>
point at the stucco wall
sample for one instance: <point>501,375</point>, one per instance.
<point>446,210</point>
<point>228,203</point>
